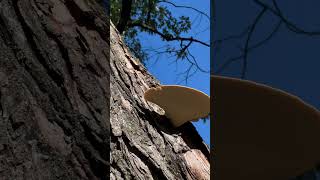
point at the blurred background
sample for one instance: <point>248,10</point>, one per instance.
<point>270,42</point>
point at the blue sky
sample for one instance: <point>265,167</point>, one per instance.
<point>288,61</point>
<point>167,71</point>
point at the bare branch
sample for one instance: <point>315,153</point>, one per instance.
<point>196,63</point>
<point>246,48</point>
<point>283,20</point>
<point>193,64</point>
<point>150,5</point>
<point>187,74</point>
<point>291,26</point>
<point>218,42</point>
<point>257,45</point>
<point>227,63</point>
<point>165,37</point>
<point>277,27</point>
<point>187,7</point>
<point>125,15</point>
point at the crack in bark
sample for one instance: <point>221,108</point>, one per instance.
<point>64,53</point>
<point>118,169</point>
<point>149,119</point>
<point>88,19</point>
<point>98,165</point>
<point>65,56</point>
<point>91,68</point>
<point>1,108</point>
<point>126,87</point>
<point>55,76</point>
<point>15,125</point>
<point>82,42</point>
<point>98,162</point>
<point>86,102</point>
<point>156,172</point>
<point>97,142</point>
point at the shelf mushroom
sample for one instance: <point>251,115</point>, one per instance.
<point>181,104</point>
<point>261,132</point>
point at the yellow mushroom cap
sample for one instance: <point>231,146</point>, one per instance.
<point>261,132</point>
<point>181,104</point>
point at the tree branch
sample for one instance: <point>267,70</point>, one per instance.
<point>283,20</point>
<point>291,26</point>
<point>150,5</point>
<point>246,48</point>
<point>165,37</point>
<point>125,15</point>
<point>262,42</point>
<point>187,7</point>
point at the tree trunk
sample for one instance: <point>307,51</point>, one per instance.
<point>54,90</point>
<point>55,110</point>
<point>144,145</point>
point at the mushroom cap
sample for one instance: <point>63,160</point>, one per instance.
<point>181,104</point>
<point>261,132</point>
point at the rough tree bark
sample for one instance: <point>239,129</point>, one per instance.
<point>55,110</point>
<point>54,90</point>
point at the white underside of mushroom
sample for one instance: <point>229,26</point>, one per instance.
<point>181,104</point>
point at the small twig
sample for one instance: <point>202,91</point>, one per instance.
<point>262,42</point>
<point>245,54</point>
<point>291,26</point>
<point>165,37</point>
<point>187,7</point>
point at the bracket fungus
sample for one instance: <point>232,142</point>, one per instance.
<point>261,132</point>
<point>181,104</point>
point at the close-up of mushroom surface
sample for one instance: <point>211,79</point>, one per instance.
<point>261,132</point>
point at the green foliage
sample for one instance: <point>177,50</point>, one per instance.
<point>160,21</point>
<point>115,10</point>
